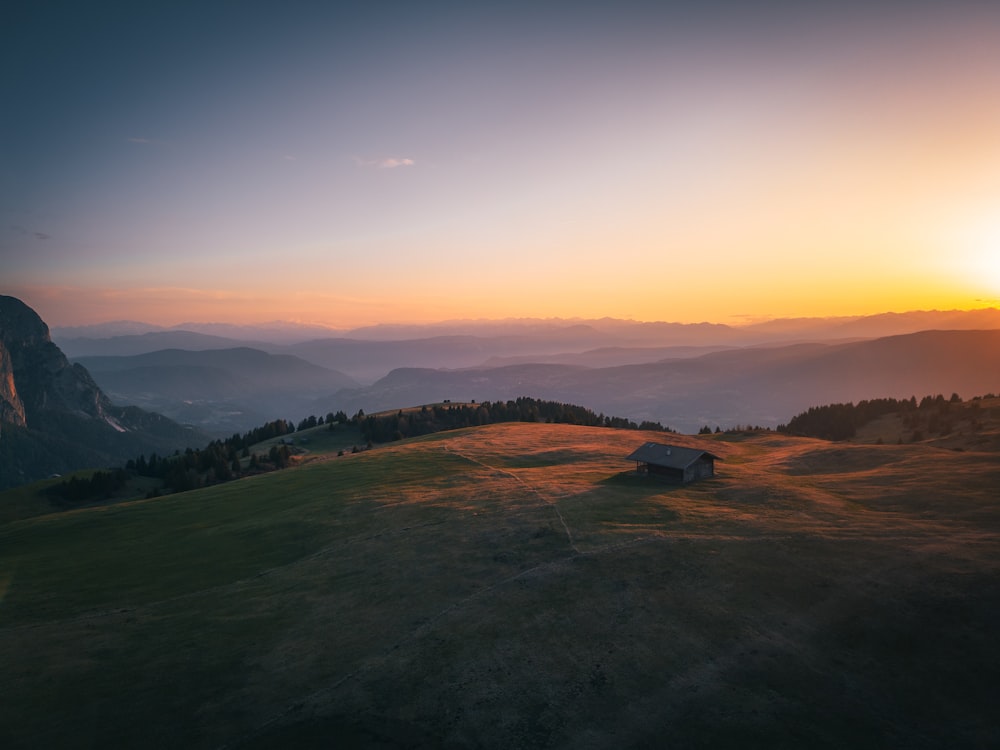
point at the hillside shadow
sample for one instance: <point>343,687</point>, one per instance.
<point>633,479</point>
<point>843,460</point>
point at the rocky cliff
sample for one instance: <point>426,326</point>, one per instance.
<point>54,417</point>
<point>11,408</point>
<point>36,376</point>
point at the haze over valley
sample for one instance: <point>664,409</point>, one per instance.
<point>683,376</point>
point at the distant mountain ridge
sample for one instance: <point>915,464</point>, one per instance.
<point>367,354</point>
<point>761,386</point>
<point>53,415</point>
<point>680,375</point>
<point>127,345</point>
<point>274,332</point>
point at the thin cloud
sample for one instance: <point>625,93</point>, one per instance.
<point>24,232</point>
<point>392,163</point>
<point>387,162</point>
<point>147,141</point>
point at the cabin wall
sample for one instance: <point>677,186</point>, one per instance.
<point>666,472</point>
<point>703,468</point>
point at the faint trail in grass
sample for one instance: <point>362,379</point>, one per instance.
<point>530,488</point>
<point>313,699</point>
<point>318,699</point>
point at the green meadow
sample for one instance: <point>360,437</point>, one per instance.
<point>516,586</point>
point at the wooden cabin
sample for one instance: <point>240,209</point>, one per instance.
<point>673,462</point>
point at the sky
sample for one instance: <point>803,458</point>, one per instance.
<point>412,162</point>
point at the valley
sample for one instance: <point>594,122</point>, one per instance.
<point>221,391</point>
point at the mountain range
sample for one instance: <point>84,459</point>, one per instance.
<point>605,331</point>
<point>368,354</point>
<point>683,376</point>
<point>763,386</point>
<point>681,387</point>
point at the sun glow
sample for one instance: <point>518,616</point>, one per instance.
<point>981,249</point>
<point>990,263</point>
<point>966,251</point>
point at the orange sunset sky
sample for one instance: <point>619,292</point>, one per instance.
<point>411,162</point>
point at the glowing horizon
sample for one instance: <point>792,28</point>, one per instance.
<point>659,164</point>
<point>62,308</point>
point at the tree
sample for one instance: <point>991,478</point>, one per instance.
<point>279,456</point>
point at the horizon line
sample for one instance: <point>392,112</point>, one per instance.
<point>749,321</point>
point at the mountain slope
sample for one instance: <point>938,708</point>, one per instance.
<point>54,417</point>
<point>763,386</point>
<point>222,391</point>
<point>515,586</point>
<point>126,345</point>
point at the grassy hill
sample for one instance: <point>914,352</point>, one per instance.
<point>969,425</point>
<point>515,586</point>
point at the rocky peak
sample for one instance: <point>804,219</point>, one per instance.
<point>11,408</point>
<point>35,375</point>
<point>18,322</point>
<point>54,417</point>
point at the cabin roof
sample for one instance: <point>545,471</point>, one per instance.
<point>671,456</point>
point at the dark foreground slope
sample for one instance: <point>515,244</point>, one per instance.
<point>510,586</point>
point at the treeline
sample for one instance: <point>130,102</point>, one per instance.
<point>736,429</point>
<point>931,415</point>
<point>429,419</point>
<point>101,485</point>
<point>219,461</point>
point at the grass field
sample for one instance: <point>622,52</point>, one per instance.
<point>515,586</point>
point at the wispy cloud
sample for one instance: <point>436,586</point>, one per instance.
<point>392,163</point>
<point>24,232</point>
<point>386,162</point>
<point>147,141</point>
